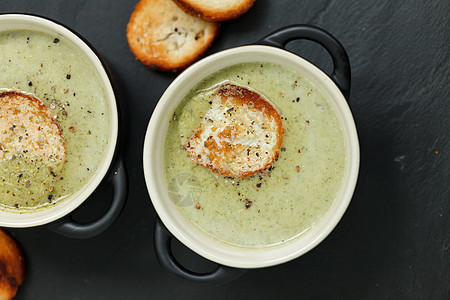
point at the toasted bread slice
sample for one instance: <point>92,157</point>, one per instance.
<point>12,266</point>
<point>215,10</point>
<point>162,36</point>
<point>240,134</point>
<point>27,127</point>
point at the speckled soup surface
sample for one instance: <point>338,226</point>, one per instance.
<point>280,203</point>
<point>68,85</point>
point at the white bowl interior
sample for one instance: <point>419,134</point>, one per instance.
<point>154,167</point>
<point>40,217</point>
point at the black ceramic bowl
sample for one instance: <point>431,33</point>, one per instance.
<point>111,168</point>
<point>231,259</point>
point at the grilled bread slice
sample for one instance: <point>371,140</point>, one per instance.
<point>27,128</point>
<point>162,36</point>
<point>216,10</point>
<point>240,134</point>
<point>12,266</point>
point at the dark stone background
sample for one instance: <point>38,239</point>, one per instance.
<point>392,243</point>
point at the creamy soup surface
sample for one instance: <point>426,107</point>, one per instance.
<point>68,85</point>
<point>275,205</point>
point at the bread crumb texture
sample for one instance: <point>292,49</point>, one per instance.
<point>26,125</point>
<point>162,36</point>
<point>240,134</point>
<point>216,10</point>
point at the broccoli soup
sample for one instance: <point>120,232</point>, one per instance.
<point>55,120</point>
<point>282,200</point>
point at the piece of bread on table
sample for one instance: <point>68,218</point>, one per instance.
<point>162,36</point>
<point>216,10</point>
<point>12,266</point>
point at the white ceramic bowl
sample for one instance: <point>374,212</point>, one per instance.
<point>40,217</point>
<point>154,167</point>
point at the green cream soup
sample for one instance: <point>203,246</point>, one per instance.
<point>68,85</point>
<point>280,203</point>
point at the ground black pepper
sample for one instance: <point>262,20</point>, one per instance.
<point>248,203</point>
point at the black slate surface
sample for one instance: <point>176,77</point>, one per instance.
<point>392,243</point>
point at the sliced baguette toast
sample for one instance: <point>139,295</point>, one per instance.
<point>216,10</point>
<point>12,266</point>
<point>162,36</point>
<point>27,126</point>
<point>240,134</point>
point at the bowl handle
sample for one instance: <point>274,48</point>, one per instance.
<point>341,72</point>
<point>220,275</point>
<point>69,227</point>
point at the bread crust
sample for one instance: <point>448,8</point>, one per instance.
<point>163,37</point>
<point>27,125</point>
<point>241,134</point>
<point>12,266</point>
<point>214,14</point>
